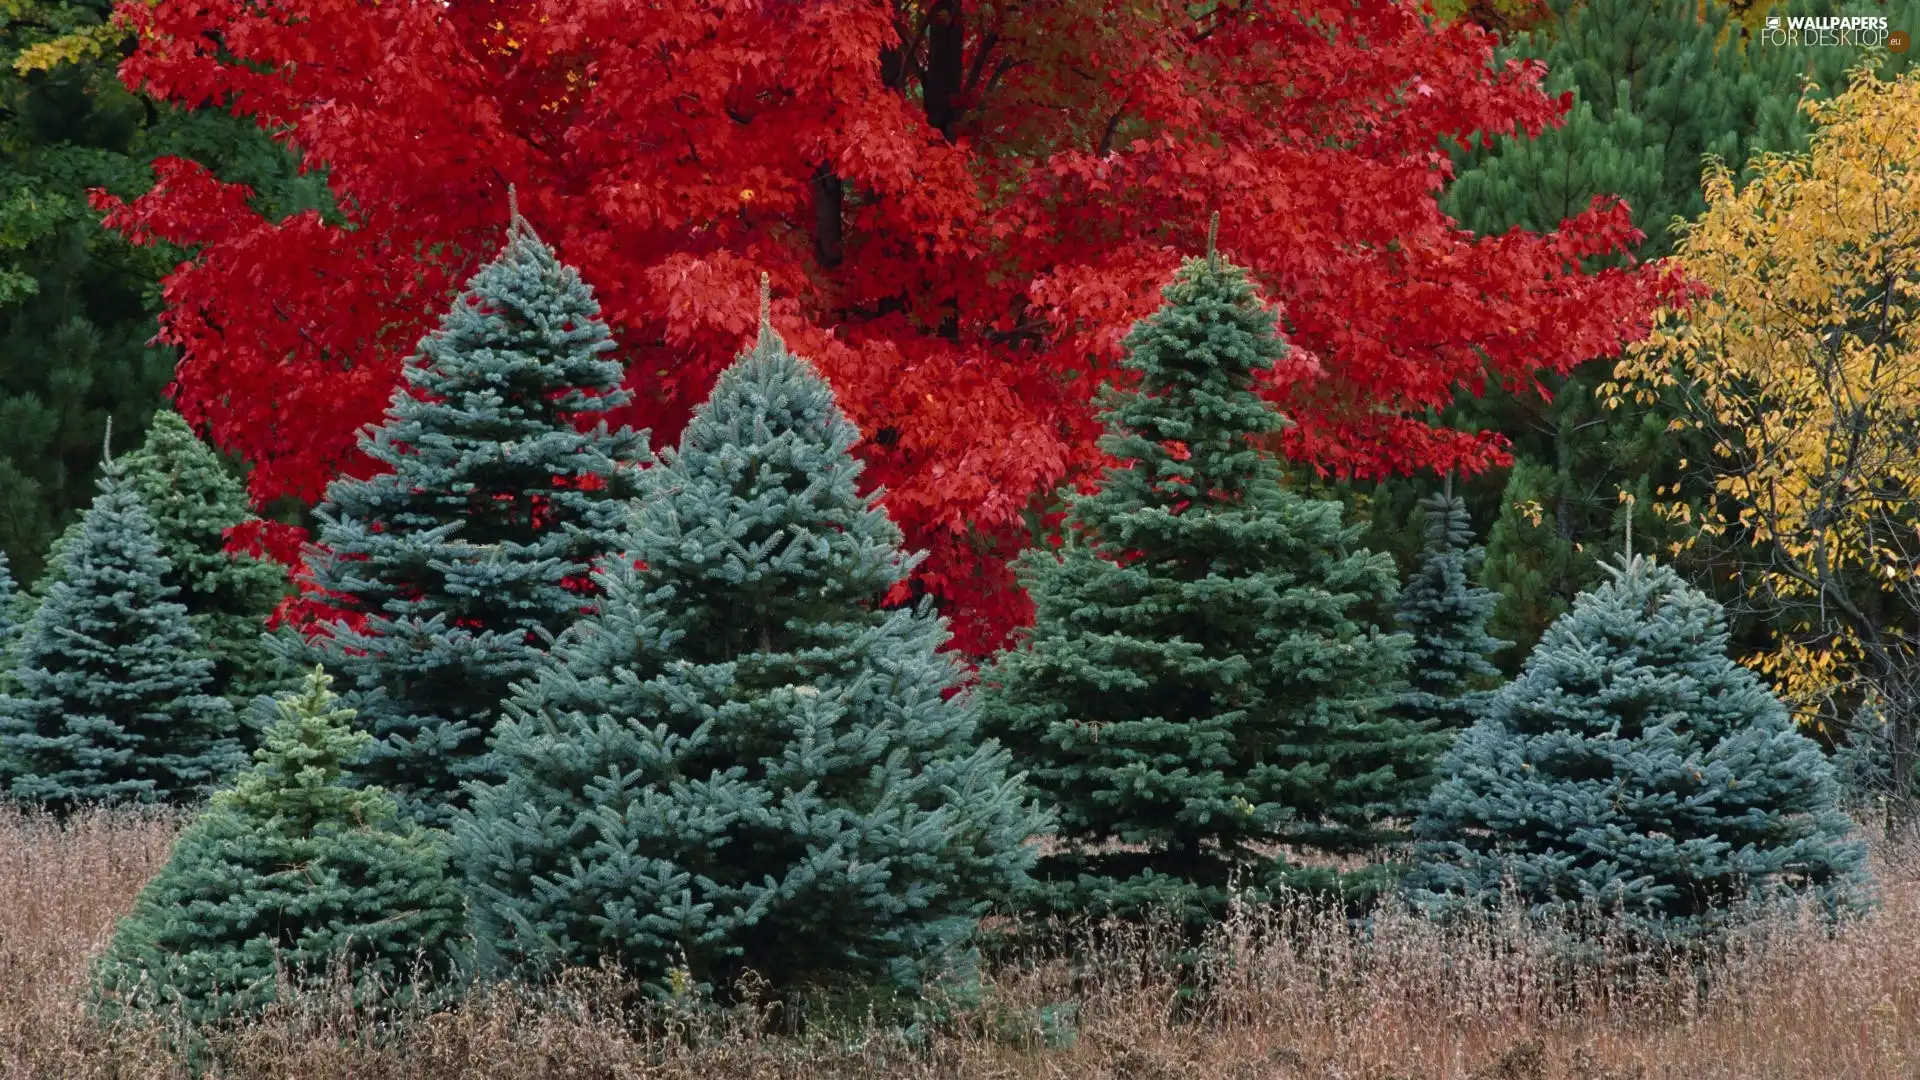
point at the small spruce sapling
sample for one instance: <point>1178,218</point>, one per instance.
<point>286,880</point>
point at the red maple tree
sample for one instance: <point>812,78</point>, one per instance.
<point>964,203</point>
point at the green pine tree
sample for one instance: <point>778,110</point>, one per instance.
<point>747,761</point>
<point>109,701</point>
<point>1633,769</point>
<point>1532,564</point>
<point>194,499</point>
<point>1203,679</point>
<point>474,546</point>
<point>77,301</point>
<point>1446,615</point>
<point>289,875</point>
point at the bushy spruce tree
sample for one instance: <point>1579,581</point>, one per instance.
<point>289,873</point>
<point>474,545</point>
<point>1204,679</point>
<point>194,499</point>
<point>746,760</point>
<point>1633,770</point>
<point>109,700</point>
<point>1445,613</point>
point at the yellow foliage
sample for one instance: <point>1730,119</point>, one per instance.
<point>87,42</point>
<point>1803,366</point>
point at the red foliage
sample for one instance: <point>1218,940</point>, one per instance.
<point>963,204</point>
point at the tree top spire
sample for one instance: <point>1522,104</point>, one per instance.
<point>516,224</point>
<point>1213,233</point>
<point>766,306</point>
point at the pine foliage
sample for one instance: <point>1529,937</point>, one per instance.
<point>194,499</point>
<point>1656,87</point>
<point>109,698</point>
<point>746,761</point>
<point>1634,770</point>
<point>1204,680</point>
<point>288,879</point>
<point>475,546</point>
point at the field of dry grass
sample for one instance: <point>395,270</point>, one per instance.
<point>1294,997</point>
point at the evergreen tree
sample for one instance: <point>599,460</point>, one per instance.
<point>1634,769</point>
<point>476,544</point>
<point>290,872</point>
<point>1446,615</point>
<point>194,499</point>
<point>746,760</point>
<point>1202,681</point>
<point>1533,564</point>
<point>77,302</point>
<point>108,699</point>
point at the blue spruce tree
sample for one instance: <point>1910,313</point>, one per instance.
<point>1633,770</point>
<point>476,544</point>
<point>746,761</point>
<point>1203,682</point>
<point>108,698</point>
<point>289,873</point>
<point>193,498</point>
<point>1446,615</point>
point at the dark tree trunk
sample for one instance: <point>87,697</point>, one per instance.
<point>828,197</point>
<point>945,40</point>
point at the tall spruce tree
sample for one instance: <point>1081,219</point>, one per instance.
<point>1445,613</point>
<point>108,700</point>
<point>288,879</point>
<point>1203,679</point>
<point>746,760</point>
<point>475,546</point>
<point>1634,771</point>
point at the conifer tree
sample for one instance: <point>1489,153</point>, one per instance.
<point>1203,679</point>
<point>476,544</point>
<point>1634,770</point>
<point>108,701</point>
<point>193,500</point>
<point>1446,613</point>
<point>291,873</point>
<point>746,760</point>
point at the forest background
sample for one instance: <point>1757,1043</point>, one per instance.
<point>939,188</point>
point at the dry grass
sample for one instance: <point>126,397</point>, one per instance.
<point>1295,997</point>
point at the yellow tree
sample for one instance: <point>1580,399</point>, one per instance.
<point>1802,366</point>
